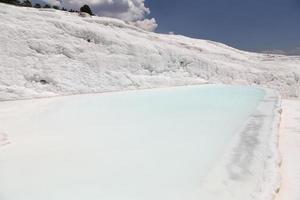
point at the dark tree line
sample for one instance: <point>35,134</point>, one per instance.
<point>14,2</point>
<point>85,8</point>
<point>27,3</point>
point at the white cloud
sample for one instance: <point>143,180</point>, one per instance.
<point>54,2</point>
<point>127,10</point>
<point>146,24</point>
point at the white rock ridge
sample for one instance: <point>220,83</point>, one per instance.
<point>45,52</point>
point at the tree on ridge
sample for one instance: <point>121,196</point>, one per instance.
<point>85,8</point>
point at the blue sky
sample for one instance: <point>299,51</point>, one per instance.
<point>246,24</point>
<point>254,25</point>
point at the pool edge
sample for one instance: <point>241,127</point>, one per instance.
<point>250,168</point>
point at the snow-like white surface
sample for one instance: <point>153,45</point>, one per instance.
<point>140,145</point>
<point>290,149</point>
<point>52,45</point>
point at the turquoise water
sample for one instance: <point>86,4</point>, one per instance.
<point>138,145</point>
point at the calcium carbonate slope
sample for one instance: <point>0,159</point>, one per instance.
<point>45,52</point>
